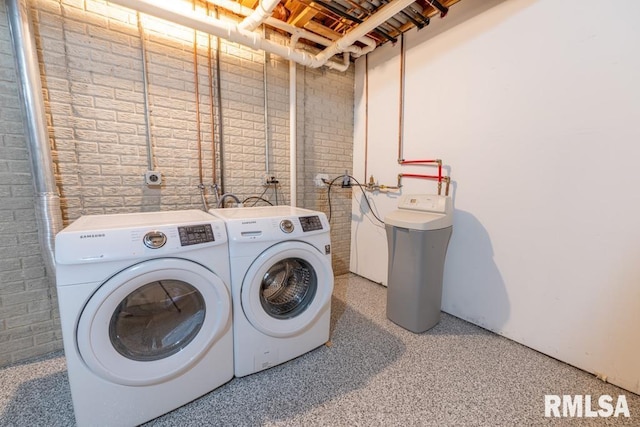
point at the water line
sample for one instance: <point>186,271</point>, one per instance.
<point>219,99</point>
<point>211,113</point>
<point>197,95</point>
<point>366,115</point>
<point>401,101</point>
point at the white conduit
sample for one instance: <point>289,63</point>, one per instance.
<point>255,41</point>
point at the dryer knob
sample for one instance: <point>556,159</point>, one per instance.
<point>286,226</point>
<point>154,239</point>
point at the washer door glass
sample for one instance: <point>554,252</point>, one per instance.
<point>288,287</point>
<point>153,321</point>
<point>157,320</point>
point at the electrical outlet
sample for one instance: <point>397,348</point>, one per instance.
<point>346,180</point>
<point>270,180</point>
<point>318,180</point>
<point>153,178</point>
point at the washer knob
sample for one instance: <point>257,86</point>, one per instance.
<point>286,226</point>
<point>154,239</point>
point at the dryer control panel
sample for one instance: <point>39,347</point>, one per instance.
<point>102,238</point>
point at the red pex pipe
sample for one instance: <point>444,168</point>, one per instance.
<point>413,175</point>
<point>425,161</point>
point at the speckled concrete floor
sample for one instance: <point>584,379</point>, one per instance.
<point>374,374</point>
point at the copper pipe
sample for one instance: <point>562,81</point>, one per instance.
<point>414,162</point>
<point>415,175</point>
<point>220,110</point>
<point>366,113</point>
<point>197,92</point>
<point>211,102</point>
<point>401,104</point>
<point>446,179</point>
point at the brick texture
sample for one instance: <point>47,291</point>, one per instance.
<point>29,321</point>
<point>91,60</point>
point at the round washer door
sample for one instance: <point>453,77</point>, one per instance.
<point>152,321</point>
<point>286,288</point>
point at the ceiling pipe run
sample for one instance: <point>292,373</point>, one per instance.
<point>255,41</point>
<point>257,17</point>
<point>238,9</point>
<point>47,201</point>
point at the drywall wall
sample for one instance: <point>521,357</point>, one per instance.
<point>534,108</point>
<point>91,62</point>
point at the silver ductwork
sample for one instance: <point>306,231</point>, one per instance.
<point>47,201</point>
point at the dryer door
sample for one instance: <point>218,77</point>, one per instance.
<point>286,288</point>
<point>152,321</point>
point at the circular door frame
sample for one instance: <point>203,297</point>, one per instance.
<point>251,285</point>
<point>92,332</point>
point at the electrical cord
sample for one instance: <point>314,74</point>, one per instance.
<point>329,193</point>
<point>364,194</point>
<point>257,200</point>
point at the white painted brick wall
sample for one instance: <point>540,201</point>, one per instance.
<point>325,101</point>
<point>93,86</point>
<point>29,324</point>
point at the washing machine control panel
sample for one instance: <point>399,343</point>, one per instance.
<point>310,223</point>
<point>195,234</point>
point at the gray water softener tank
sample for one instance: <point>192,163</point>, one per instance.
<point>418,234</point>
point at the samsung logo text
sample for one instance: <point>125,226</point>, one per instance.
<point>578,406</point>
<point>91,236</point>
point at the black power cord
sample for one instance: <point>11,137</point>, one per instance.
<point>364,194</point>
<point>258,199</point>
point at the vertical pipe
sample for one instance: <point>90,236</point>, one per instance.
<point>293,124</point>
<point>145,90</point>
<point>196,78</point>
<point>401,102</point>
<point>47,210</point>
<point>219,96</point>
<point>211,114</point>
<point>267,168</point>
<point>366,115</point>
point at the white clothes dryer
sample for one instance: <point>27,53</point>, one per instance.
<point>145,310</point>
<point>281,283</point>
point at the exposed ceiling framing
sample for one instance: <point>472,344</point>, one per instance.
<point>341,29</point>
<point>332,19</point>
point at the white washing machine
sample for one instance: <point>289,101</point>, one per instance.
<point>145,309</point>
<point>281,283</point>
